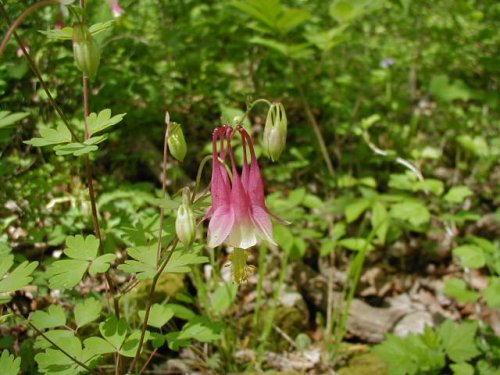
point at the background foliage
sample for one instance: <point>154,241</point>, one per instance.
<point>391,162</point>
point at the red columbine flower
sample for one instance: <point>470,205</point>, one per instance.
<point>238,214</point>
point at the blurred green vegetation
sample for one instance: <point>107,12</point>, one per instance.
<point>400,96</point>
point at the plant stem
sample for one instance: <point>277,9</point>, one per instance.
<point>260,282</point>
<point>38,75</point>
<point>354,275</point>
<point>150,304</point>
<point>270,319</point>
<point>81,364</point>
<point>93,204</point>
<point>313,123</point>
<point>145,366</point>
<point>20,19</point>
<point>163,187</point>
<point>198,175</point>
<point>247,112</point>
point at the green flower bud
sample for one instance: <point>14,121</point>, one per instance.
<point>86,50</point>
<point>177,142</point>
<point>275,131</point>
<point>185,225</point>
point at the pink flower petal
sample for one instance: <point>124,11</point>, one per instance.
<point>220,225</point>
<point>263,224</point>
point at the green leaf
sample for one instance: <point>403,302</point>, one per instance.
<point>380,221</point>
<point>458,194</point>
<point>434,186</point>
<point>99,27</point>
<point>356,244</point>
<point>470,256</point>
<point>7,118</point>
<point>101,264</point>
<point>57,336</point>
<point>181,260</point>
<point>181,312</point>
<point>395,353</point>
<point>342,11</point>
<point>492,293</point>
<point>67,273</point>
<point>159,315</point>
<point>458,340</point>
<point>51,136</point>
<point>264,11</point>
<point>97,346</point>
<point>458,289</point>
<point>66,33</point>
<point>78,247</point>
<point>291,18</point>
<point>223,296</point>
<point>414,212</point>
<point>75,149</point>
<point>272,44</point>
<point>17,279</point>
<point>129,347</point>
<point>174,343</point>
<point>53,361</point>
<point>476,145</point>
<point>144,264</point>
<point>9,365</point>
<point>87,311</point>
<point>78,148</point>
<point>114,331</point>
<point>442,89</point>
<point>462,369</point>
<point>201,329</point>
<point>54,317</point>
<point>103,120</point>
<point>355,209</point>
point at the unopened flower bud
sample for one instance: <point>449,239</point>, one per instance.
<point>86,50</point>
<point>275,131</point>
<point>185,225</point>
<point>177,142</point>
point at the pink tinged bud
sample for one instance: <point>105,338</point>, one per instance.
<point>20,52</point>
<point>176,142</point>
<point>115,8</point>
<point>275,131</point>
<point>185,225</point>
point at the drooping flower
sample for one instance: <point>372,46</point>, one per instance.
<point>238,215</point>
<point>115,8</point>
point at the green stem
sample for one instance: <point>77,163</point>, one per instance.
<point>150,304</point>
<point>255,102</point>
<point>260,283</point>
<point>163,187</point>
<point>353,275</point>
<point>270,319</point>
<point>313,123</point>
